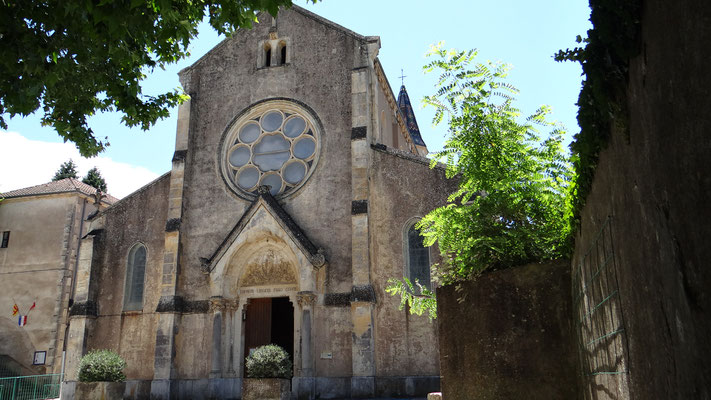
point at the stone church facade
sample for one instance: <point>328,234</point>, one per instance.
<point>295,183</point>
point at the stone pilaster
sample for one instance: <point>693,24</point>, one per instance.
<point>163,385</point>
<point>231,308</point>
<point>362,99</point>
<point>304,385</point>
<point>217,307</point>
<point>306,302</point>
<point>83,310</point>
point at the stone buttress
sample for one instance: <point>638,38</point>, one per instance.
<point>164,383</point>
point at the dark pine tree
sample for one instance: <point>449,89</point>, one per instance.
<point>67,170</point>
<point>94,178</point>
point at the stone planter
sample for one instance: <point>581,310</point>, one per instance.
<point>266,389</point>
<point>99,390</point>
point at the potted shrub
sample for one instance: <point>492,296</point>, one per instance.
<point>268,374</point>
<point>101,376</point>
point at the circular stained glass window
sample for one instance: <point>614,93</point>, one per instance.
<point>275,144</point>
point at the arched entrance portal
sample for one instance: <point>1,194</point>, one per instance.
<point>268,286</point>
<point>262,288</point>
<point>263,279</point>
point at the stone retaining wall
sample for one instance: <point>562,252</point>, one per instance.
<point>510,337</point>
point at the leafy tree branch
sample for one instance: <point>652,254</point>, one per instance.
<point>511,206</point>
<point>424,302</point>
<point>72,59</point>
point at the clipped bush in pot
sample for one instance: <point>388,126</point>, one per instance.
<point>101,376</point>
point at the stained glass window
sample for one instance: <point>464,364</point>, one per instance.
<point>135,276</point>
<point>418,258</point>
<point>274,146</point>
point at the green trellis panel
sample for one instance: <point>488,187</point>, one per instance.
<point>32,387</point>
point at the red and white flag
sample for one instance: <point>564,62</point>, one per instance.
<point>34,303</point>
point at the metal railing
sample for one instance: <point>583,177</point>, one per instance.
<point>32,387</point>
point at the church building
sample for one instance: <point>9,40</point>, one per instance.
<point>296,182</point>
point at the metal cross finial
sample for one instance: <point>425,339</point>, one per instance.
<point>402,76</point>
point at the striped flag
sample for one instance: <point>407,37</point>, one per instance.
<point>22,321</point>
<point>15,310</point>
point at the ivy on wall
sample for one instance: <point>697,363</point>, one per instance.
<point>613,40</point>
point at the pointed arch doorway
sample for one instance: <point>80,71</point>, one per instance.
<point>266,271</point>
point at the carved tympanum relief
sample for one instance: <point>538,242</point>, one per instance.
<point>268,268</point>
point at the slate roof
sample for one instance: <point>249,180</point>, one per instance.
<point>403,102</point>
<point>66,185</point>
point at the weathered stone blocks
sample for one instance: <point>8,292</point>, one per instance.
<point>266,389</point>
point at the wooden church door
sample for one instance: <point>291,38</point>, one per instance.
<point>269,320</point>
<point>258,325</point>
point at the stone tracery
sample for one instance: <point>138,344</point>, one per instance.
<point>274,144</point>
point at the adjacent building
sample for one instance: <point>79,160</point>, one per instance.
<point>41,228</point>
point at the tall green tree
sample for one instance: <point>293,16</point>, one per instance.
<point>94,178</point>
<point>72,58</point>
<point>511,206</point>
<point>67,170</point>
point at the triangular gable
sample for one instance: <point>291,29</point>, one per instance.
<point>267,202</point>
<point>319,19</point>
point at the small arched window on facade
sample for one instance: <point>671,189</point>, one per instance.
<point>135,275</point>
<point>267,54</point>
<point>417,256</point>
<point>282,52</point>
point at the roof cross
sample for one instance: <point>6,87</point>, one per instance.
<point>402,76</point>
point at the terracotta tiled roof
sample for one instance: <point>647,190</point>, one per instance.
<point>66,185</point>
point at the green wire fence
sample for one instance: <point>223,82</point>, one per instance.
<point>33,387</point>
<point>602,341</point>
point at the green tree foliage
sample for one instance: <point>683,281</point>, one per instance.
<point>67,170</point>
<point>418,300</point>
<point>510,207</point>
<point>101,366</point>
<point>511,204</point>
<point>75,58</point>
<point>270,361</point>
<point>94,178</point>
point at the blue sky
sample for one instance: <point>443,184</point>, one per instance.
<point>522,33</point>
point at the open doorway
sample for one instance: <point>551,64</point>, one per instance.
<point>269,320</point>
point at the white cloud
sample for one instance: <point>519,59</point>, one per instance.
<point>25,162</point>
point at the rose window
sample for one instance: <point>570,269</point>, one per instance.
<point>274,145</point>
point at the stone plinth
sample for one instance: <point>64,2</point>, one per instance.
<point>99,390</point>
<point>266,389</point>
